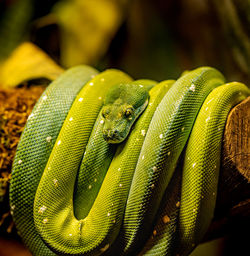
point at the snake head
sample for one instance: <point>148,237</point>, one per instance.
<point>122,106</point>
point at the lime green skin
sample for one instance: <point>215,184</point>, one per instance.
<point>88,213</point>
<point>197,178</point>
<point>202,164</point>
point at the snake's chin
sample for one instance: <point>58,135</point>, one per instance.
<point>113,140</point>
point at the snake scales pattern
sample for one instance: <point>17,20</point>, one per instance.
<point>72,193</point>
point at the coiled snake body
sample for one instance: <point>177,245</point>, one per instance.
<point>74,192</point>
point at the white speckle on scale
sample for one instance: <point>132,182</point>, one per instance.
<point>31,115</point>
<point>55,181</point>
<point>210,101</point>
<point>194,210</point>
<point>12,208</point>
<point>153,186</point>
<point>48,139</point>
<point>91,84</point>
<point>80,226</point>
<point>140,85</point>
<point>45,220</point>
<point>154,168</point>
<point>44,97</point>
<point>208,119</point>
<point>118,169</point>
<point>108,214</point>
<point>71,119</point>
<point>120,185</point>
<point>102,121</point>
<point>169,153</point>
<point>59,142</point>
<point>99,98</point>
<point>90,186</point>
<point>206,108</point>
<point>213,193</point>
<point>194,165</point>
<point>192,87</point>
<point>95,180</point>
<point>161,136</point>
<point>20,161</point>
<point>80,99</point>
<point>142,157</point>
<point>143,132</point>
<point>150,104</point>
<point>219,129</point>
<point>42,209</point>
<point>182,129</point>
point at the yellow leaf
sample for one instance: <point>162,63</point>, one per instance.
<point>87,27</point>
<point>27,62</point>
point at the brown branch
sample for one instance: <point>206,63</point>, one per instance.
<point>233,201</point>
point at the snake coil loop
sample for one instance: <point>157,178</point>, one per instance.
<point>72,193</point>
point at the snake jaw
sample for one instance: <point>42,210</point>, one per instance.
<point>112,136</point>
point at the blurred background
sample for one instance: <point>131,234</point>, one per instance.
<point>151,39</point>
<point>155,39</point>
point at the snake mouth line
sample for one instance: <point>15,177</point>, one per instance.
<point>116,139</point>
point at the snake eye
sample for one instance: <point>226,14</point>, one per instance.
<point>105,113</point>
<point>129,112</point>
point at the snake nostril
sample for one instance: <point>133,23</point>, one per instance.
<point>109,133</point>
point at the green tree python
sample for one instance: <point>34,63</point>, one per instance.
<point>99,158</point>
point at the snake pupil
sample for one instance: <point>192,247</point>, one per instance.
<point>128,112</point>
